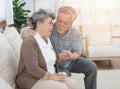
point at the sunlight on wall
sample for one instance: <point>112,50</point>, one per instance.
<point>105,4</point>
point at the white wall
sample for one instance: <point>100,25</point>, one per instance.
<point>45,4</point>
<point>6,11</point>
<point>29,5</point>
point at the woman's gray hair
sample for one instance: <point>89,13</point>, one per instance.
<point>40,16</point>
<point>68,10</point>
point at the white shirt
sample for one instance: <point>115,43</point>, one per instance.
<point>48,52</point>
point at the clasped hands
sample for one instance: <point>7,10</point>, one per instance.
<point>55,76</point>
<point>65,54</point>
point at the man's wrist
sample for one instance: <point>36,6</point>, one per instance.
<point>75,55</point>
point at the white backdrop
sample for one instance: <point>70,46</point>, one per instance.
<point>89,11</point>
<point>35,5</point>
<point>6,11</point>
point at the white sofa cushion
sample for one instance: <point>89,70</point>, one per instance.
<point>91,28</point>
<point>98,34</point>
<point>104,51</point>
<point>14,39</point>
<point>99,38</point>
<point>8,62</point>
<point>116,42</point>
<point>4,84</point>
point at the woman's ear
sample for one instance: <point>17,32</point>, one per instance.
<point>38,23</point>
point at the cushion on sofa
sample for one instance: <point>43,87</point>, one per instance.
<point>4,84</point>
<point>99,38</point>
<point>8,62</point>
<point>14,39</point>
<point>98,34</point>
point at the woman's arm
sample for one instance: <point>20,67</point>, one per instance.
<point>30,54</point>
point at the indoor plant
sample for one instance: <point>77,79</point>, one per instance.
<point>20,14</point>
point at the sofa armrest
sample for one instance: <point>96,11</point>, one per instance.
<point>115,36</point>
<point>116,41</point>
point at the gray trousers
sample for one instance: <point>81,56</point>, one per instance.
<point>88,68</point>
<point>67,83</point>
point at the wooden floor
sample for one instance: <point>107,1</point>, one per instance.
<point>108,64</point>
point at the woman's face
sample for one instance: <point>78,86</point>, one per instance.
<point>46,27</point>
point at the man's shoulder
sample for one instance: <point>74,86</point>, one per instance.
<point>75,32</point>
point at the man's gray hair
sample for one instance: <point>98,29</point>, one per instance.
<point>41,15</point>
<point>68,10</point>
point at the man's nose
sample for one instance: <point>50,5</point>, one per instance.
<point>62,24</point>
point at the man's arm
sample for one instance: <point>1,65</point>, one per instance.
<point>76,48</point>
<point>27,33</point>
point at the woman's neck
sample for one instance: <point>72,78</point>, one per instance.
<point>43,37</point>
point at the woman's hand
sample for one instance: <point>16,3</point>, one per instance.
<point>57,76</point>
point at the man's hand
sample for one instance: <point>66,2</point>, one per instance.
<point>27,33</point>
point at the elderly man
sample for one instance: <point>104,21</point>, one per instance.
<point>68,45</point>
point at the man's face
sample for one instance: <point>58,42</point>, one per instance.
<point>63,23</point>
<point>0,27</point>
<point>2,24</point>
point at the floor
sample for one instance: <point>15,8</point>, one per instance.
<point>108,64</point>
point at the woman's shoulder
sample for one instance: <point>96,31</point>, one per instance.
<point>29,40</point>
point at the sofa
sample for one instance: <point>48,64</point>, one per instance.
<point>101,41</point>
<point>10,43</point>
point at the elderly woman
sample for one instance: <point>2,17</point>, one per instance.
<point>38,63</point>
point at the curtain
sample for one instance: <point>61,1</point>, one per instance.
<point>6,11</point>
